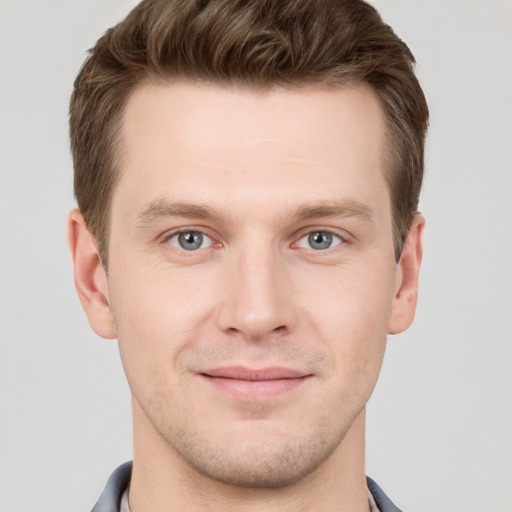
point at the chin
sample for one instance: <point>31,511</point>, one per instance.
<point>260,460</point>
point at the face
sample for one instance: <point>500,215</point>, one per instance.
<point>252,280</point>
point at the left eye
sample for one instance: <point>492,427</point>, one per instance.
<point>190,240</point>
<point>319,240</point>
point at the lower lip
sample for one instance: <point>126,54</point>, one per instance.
<point>255,389</point>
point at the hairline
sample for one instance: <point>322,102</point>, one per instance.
<point>117,149</point>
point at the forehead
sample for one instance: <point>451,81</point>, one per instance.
<point>209,114</point>
<point>182,138</point>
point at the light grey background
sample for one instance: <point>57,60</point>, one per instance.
<point>440,421</point>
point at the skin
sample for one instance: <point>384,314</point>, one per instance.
<point>255,173</point>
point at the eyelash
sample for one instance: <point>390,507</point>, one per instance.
<point>176,234</point>
<point>336,237</point>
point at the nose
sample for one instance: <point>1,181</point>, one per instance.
<point>256,298</point>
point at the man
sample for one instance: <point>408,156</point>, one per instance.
<point>247,176</point>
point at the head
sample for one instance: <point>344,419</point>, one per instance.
<point>261,45</point>
<point>250,172</point>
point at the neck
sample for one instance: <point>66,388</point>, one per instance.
<point>163,481</point>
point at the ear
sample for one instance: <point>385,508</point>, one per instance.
<point>90,277</point>
<point>406,281</point>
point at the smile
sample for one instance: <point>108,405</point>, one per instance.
<point>252,384</point>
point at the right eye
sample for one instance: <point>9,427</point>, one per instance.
<point>190,240</point>
<point>319,240</point>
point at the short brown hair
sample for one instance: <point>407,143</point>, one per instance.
<point>255,43</point>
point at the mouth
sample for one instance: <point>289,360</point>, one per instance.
<point>255,384</point>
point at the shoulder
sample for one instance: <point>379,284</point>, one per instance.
<point>382,501</point>
<point>117,483</point>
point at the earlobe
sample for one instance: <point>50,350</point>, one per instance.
<point>407,274</point>
<point>90,277</point>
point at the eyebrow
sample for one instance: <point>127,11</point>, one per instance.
<point>347,208</point>
<point>162,208</point>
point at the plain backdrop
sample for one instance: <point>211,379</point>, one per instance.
<point>440,421</point>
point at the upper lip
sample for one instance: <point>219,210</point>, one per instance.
<point>243,373</point>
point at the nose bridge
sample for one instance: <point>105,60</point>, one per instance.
<point>257,300</point>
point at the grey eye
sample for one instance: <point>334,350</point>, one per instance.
<point>190,240</point>
<point>319,240</point>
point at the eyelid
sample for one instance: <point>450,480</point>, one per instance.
<point>165,238</point>
<point>206,241</point>
<point>342,236</point>
<point>336,241</point>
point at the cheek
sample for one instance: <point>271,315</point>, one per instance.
<point>157,314</point>
<point>351,309</point>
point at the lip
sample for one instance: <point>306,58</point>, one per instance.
<point>255,384</point>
